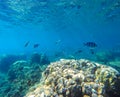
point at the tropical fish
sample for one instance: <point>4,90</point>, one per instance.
<point>90,44</point>
<point>27,43</point>
<point>36,45</point>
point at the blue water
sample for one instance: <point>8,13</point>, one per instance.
<point>47,21</point>
<point>58,26</point>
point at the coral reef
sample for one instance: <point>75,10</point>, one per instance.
<point>21,76</point>
<point>7,60</point>
<point>104,57</point>
<point>77,78</point>
<point>107,56</point>
<point>115,64</point>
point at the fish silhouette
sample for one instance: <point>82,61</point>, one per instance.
<point>92,51</point>
<point>57,42</point>
<point>79,51</point>
<point>27,43</point>
<point>90,44</point>
<point>36,45</point>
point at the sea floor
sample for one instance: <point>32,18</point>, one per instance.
<point>24,74</point>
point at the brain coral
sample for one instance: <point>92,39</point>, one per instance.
<point>77,78</point>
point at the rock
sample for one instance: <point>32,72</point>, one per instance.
<point>39,59</point>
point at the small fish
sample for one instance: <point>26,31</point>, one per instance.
<point>92,51</point>
<point>90,44</point>
<point>57,42</point>
<point>78,6</point>
<point>35,45</point>
<point>78,52</point>
<point>26,44</point>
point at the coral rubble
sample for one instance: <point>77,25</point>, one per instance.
<point>77,78</point>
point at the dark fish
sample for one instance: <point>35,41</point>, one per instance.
<point>78,52</point>
<point>36,46</point>
<point>26,44</point>
<point>79,6</point>
<point>92,51</point>
<point>90,44</point>
<point>57,42</point>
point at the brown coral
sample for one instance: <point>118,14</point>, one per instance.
<point>77,78</point>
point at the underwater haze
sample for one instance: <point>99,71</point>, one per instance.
<point>72,22</point>
<point>43,31</point>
